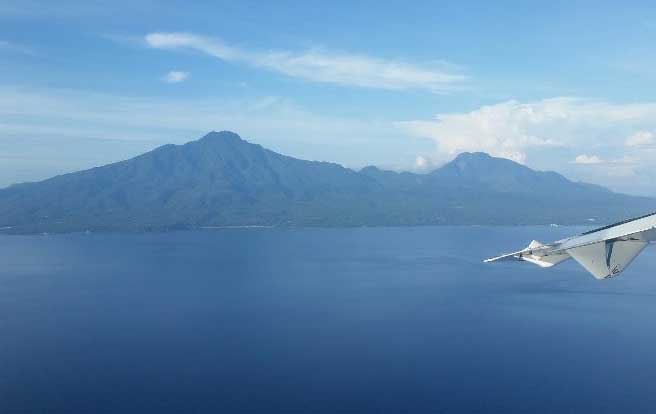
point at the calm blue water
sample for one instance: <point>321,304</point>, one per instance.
<point>318,320</point>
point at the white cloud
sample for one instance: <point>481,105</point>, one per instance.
<point>175,76</point>
<point>320,66</point>
<point>515,130</point>
<point>641,139</point>
<point>423,164</point>
<point>503,130</point>
<point>421,161</point>
<point>587,159</point>
<point>625,162</point>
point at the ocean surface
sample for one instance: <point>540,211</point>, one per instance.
<point>367,320</point>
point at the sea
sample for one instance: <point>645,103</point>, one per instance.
<point>357,320</point>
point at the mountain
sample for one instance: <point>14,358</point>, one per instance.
<point>222,180</point>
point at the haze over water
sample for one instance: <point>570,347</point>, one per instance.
<point>318,320</point>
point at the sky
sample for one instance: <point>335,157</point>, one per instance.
<point>566,86</point>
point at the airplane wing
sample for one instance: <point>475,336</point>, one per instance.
<point>604,252</point>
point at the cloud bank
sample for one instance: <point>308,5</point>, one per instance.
<point>320,66</point>
<point>515,130</point>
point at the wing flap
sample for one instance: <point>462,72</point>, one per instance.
<point>608,258</point>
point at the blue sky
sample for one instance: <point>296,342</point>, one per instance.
<point>566,86</point>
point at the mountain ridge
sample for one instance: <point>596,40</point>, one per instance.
<point>223,180</point>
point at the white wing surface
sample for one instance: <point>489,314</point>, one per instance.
<point>607,259</point>
<point>604,252</point>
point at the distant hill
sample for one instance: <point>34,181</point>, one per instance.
<point>222,180</point>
